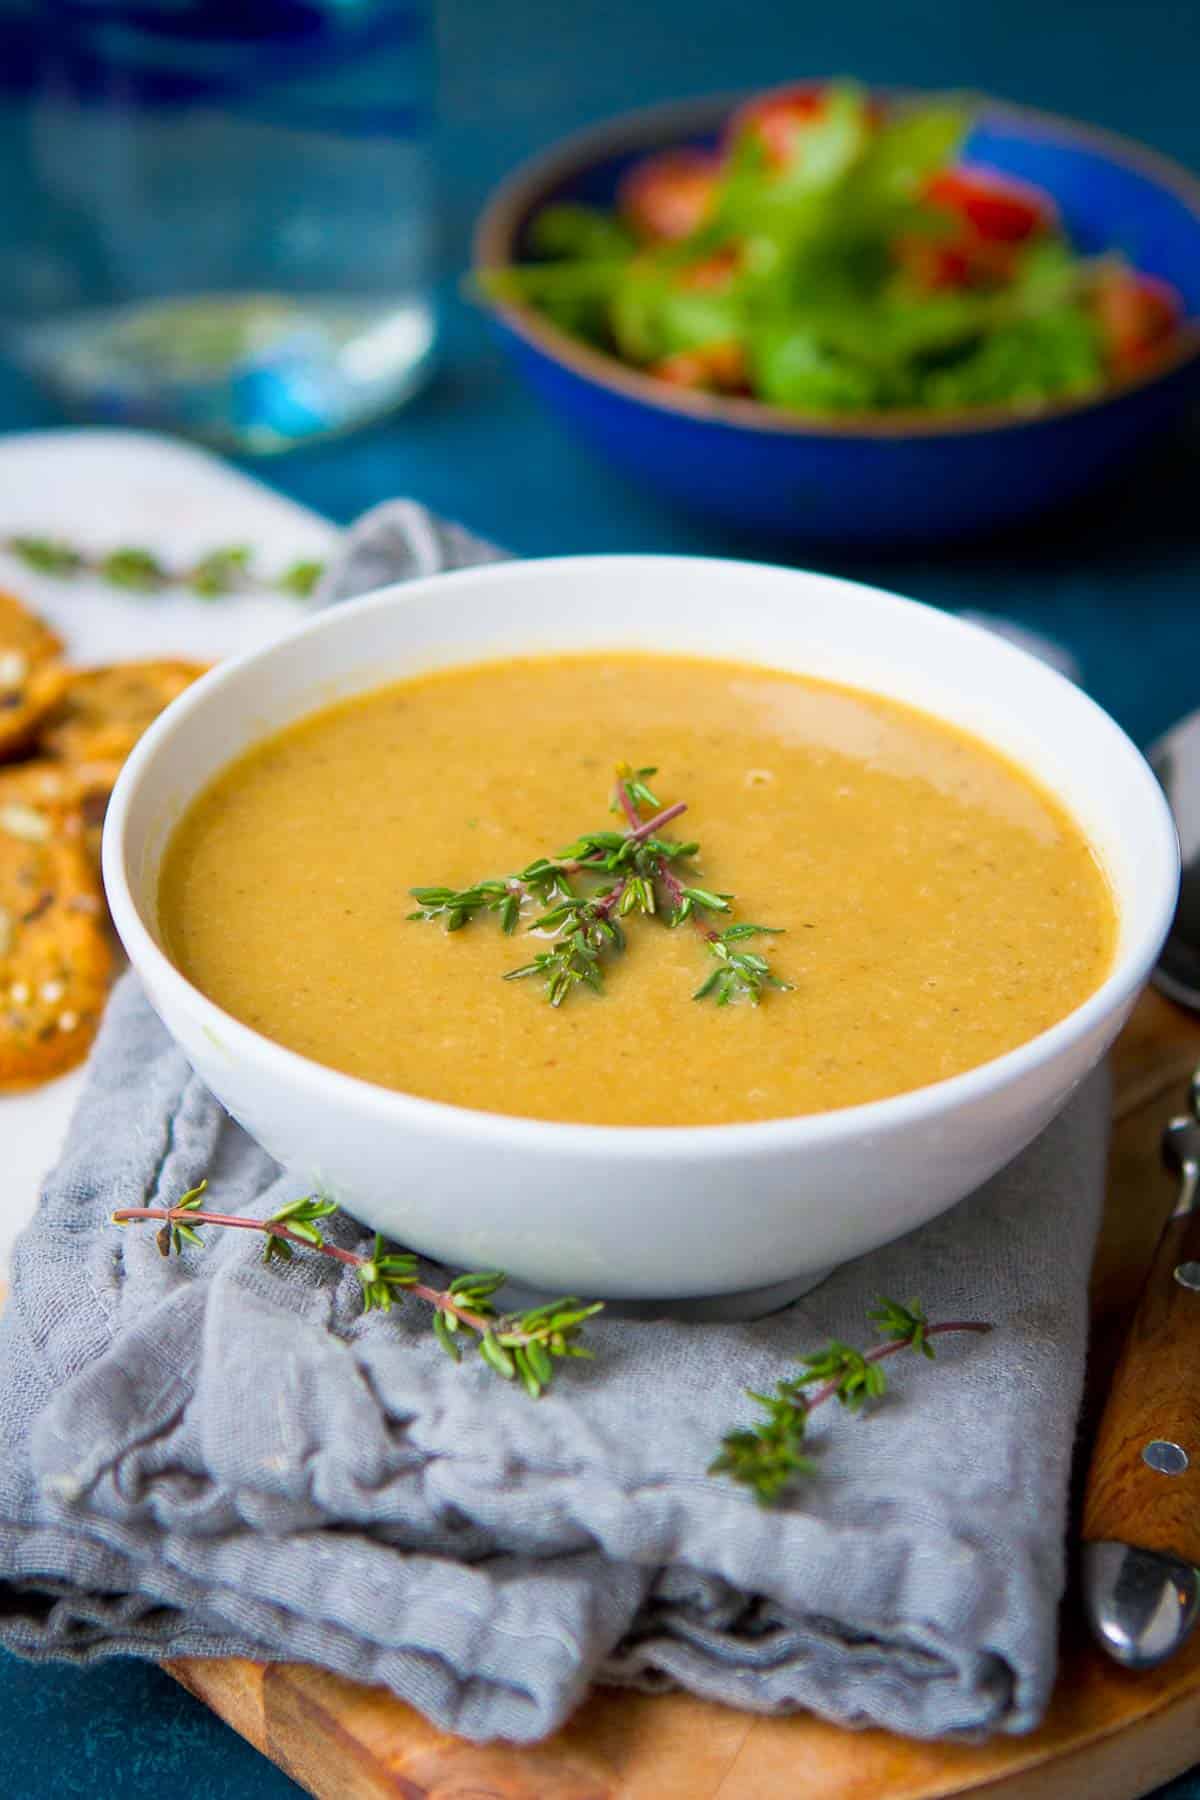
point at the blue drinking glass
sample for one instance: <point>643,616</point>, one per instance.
<point>218,214</point>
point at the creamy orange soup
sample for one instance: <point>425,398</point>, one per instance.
<point>938,907</point>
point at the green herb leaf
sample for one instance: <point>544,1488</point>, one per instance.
<point>226,570</point>
<point>308,1208</point>
<point>580,234</point>
<point>46,555</point>
<point>301,578</point>
<point>903,1324</point>
<point>496,1357</point>
<point>632,875</point>
<point>710,902</point>
<point>221,571</point>
<point>767,1457</point>
<point>137,569</point>
<point>443,1331</point>
<point>524,1347</point>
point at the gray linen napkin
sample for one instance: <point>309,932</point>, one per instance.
<point>204,1456</point>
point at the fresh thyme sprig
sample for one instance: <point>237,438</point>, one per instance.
<point>526,1346</point>
<point>636,872</point>
<point>769,1455</point>
<point>520,1347</point>
<point>227,570</point>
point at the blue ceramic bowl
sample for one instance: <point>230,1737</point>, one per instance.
<point>876,479</point>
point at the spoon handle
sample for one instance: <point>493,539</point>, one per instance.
<point>1143,1485</point>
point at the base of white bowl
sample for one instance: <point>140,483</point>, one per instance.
<point>714,1309</point>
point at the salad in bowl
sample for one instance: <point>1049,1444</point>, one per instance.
<point>834,253</point>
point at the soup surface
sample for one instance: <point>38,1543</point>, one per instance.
<point>938,907</point>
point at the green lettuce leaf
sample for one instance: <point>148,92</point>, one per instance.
<point>825,313</point>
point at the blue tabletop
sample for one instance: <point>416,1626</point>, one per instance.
<point>1117,581</point>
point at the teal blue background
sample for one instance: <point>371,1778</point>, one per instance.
<point>1118,581</point>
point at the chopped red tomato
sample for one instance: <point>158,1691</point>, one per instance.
<point>996,207</point>
<point>992,217</point>
<point>1136,315</point>
<point>963,261</point>
<point>666,197</point>
<point>779,119</point>
<point>719,368</point>
<point>713,274</point>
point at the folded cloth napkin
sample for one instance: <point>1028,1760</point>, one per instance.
<point>206,1456</point>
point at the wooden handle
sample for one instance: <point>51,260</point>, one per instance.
<point>1154,1400</point>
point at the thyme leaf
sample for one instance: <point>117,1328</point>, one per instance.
<point>229,569</point>
<point>769,1455</point>
<point>636,875</point>
<point>523,1346</point>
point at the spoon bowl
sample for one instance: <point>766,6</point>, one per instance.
<point>1141,1604</point>
<point>1181,1147</point>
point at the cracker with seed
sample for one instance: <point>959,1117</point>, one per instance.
<point>103,712</point>
<point>32,679</point>
<point>55,956</point>
<point>73,796</point>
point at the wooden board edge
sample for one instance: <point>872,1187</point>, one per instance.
<point>231,1686</point>
<point>1126,1762</point>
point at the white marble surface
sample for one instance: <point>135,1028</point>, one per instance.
<point>104,490</point>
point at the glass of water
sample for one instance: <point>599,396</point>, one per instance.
<point>218,214</point>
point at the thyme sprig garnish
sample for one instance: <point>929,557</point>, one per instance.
<point>637,872</point>
<point>769,1456</point>
<point>229,569</point>
<point>522,1346</point>
<point>526,1346</point>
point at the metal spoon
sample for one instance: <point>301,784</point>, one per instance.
<point>1175,759</point>
<point>1142,1604</point>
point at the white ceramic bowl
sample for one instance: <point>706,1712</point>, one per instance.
<point>746,1212</point>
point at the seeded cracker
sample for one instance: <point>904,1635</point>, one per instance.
<point>103,712</point>
<point>73,795</point>
<point>55,959</point>
<point>31,677</point>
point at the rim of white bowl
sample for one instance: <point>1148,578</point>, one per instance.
<point>668,1142</point>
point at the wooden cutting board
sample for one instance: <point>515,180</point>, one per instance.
<point>1109,1735</point>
